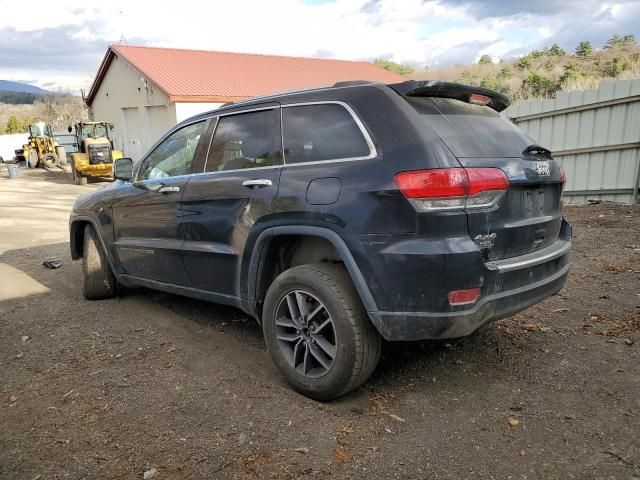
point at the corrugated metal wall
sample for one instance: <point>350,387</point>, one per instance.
<point>594,134</point>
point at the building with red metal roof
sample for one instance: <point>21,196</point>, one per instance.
<point>143,91</point>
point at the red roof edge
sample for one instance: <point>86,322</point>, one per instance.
<point>112,52</point>
<point>102,70</point>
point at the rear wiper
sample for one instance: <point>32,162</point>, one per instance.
<point>537,150</point>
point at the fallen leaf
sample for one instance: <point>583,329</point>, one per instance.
<point>396,417</point>
<point>24,338</point>
<point>513,421</point>
<point>342,456</point>
<point>12,399</point>
<point>628,341</point>
<point>530,327</point>
<point>303,450</point>
<point>522,453</point>
<point>545,329</point>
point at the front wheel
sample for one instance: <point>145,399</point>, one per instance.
<point>98,280</point>
<point>317,331</point>
<point>78,178</point>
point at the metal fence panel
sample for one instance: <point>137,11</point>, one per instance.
<point>594,134</point>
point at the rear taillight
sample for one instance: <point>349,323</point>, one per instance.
<point>452,188</point>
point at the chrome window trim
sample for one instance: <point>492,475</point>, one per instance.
<point>373,153</point>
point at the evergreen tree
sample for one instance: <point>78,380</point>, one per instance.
<point>14,125</point>
<point>584,50</point>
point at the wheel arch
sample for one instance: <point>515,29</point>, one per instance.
<point>76,239</point>
<point>261,273</point>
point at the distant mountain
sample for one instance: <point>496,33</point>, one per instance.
<point>9,86</point>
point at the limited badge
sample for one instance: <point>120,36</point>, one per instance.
<point>542,169</point>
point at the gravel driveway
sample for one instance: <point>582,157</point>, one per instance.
<point>183,389</point>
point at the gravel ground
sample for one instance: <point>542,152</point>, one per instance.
<point>152,382</point>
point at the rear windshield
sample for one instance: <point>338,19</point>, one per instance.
<point>471,130</point>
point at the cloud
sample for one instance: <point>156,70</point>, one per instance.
<point>65,45</point>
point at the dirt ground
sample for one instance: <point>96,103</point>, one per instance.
<point>114,389</point>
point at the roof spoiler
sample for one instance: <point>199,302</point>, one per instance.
<point>436,88</point>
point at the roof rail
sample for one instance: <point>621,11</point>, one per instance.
<point>348,83</point>
<point>353,83</point>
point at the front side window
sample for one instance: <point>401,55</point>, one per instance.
<point>245,140</point>
<point>174,155</point>
<point>319,132</point>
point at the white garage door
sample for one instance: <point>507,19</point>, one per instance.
<point>133,133</point>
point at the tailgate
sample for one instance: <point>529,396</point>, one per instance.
<point>527,217</point>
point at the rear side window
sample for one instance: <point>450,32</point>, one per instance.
<point>320,132</point>
<point>471,130</point>
<point>245,140</point>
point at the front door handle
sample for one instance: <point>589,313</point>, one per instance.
<point>168,189</point>
<point>259,183</point>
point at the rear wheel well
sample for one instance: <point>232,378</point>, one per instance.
<point>287,251</point>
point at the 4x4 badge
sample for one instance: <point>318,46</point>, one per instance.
<point>542,169</point>
<point>485,242</point>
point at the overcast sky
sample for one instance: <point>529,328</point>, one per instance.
<point>60,43</point>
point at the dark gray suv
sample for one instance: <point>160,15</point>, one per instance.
<point>337,217</point>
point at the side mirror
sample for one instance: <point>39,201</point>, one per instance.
<point>112,127</point>
<point>123,169</point>
<point>70,129</point>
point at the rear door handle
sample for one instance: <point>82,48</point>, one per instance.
<point>168,189</point>
<point>259,183</point>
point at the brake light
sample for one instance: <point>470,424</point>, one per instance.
<point>479,99</point>
<point>463,297</point>
<point>452,188</point>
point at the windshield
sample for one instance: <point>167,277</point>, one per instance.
<point>471,130</point>
<point>94,130</point>
<point>37,129</point>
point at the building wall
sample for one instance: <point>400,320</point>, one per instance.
<point>594,134</point>
<point>188,109</point>
<point>11,142</point>
<point>139,111</point>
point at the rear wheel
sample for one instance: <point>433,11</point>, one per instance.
<point>98,280</point>
<point>317,331</point>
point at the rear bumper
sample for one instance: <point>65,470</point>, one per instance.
<point>411,298</point>
<point>403,326</point>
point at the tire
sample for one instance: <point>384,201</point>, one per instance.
<point>32,160</point>
<point>78,179</point>
<point>350,337</point>
<point>62,156</point>
<point>50,161</point>
<point>98,280</point>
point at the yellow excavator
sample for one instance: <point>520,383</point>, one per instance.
<point>95,155</point>
<point>42,149</point>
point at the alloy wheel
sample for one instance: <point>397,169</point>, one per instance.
<point>306,334</point>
